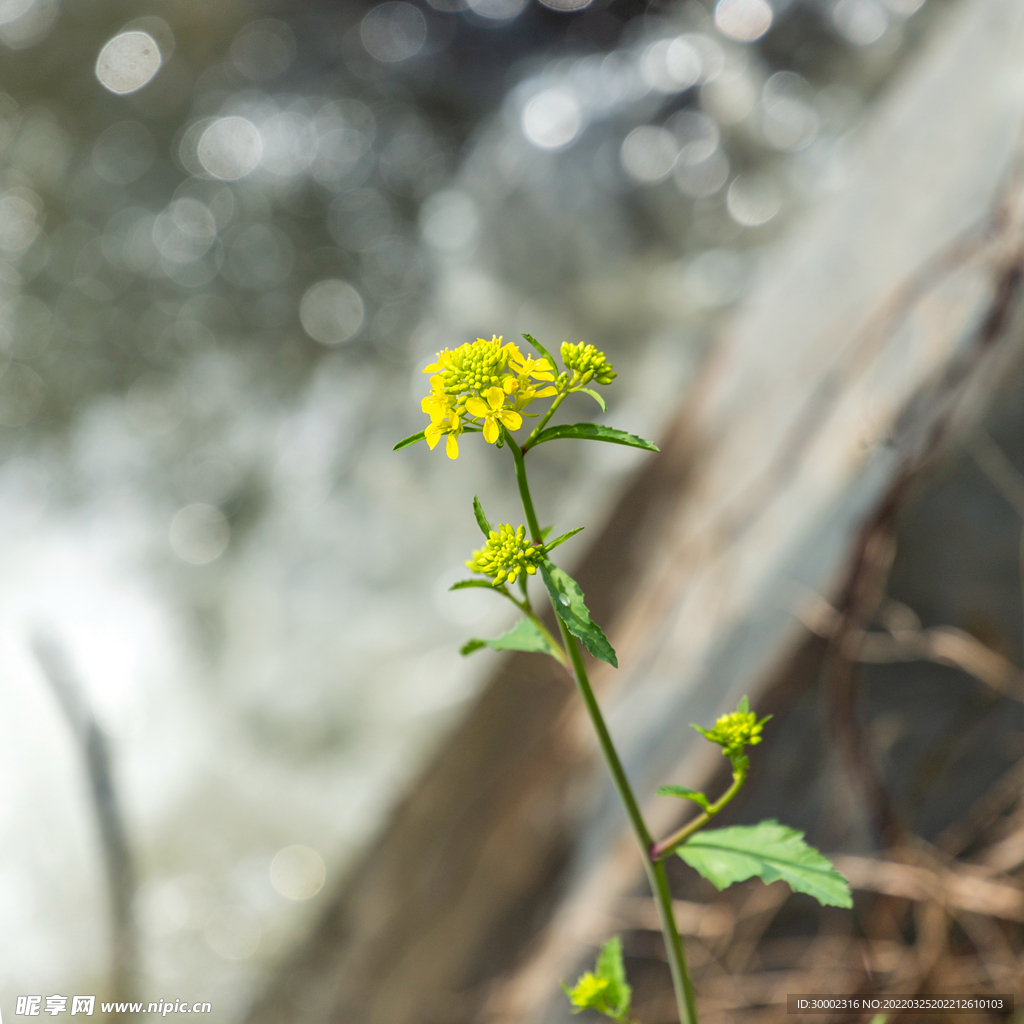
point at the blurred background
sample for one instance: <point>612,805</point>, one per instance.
<point>231,236</point>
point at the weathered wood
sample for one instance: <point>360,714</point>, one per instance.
<point>881,330</point>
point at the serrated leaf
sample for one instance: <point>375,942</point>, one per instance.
<point>684,794</point>
<point>523,636</point>
<point>594,432</point>
<point>481,519</point>
<point>411,439</point>
<point>595,396</point>
<point>567,599</point>
<point>542,350</point>
<point>769,851</point>
<point>609,965</point>
<point>561,540</point>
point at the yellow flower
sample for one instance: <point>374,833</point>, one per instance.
<point>439,404</point>
<point>473,367</point>
<point>492,412</point>
<point>527,366</point>
<point>736,730</point>
<point>589,992</point>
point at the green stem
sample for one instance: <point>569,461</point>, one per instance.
<point>532,439</point>
<point>666,846</point>
<point>654,868</point>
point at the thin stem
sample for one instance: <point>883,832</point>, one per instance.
<point>666,846</point>
<point>655,869</point>
<point>532,439</point>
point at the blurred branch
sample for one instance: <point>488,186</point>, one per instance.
<point>56,666</point>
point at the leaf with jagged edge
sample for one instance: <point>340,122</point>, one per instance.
<point>567,599</point>
<point>523,636</point>
<point>609,965</point>
<point>769,851</point>
<point>594,432</point>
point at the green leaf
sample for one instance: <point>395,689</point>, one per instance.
<point>465,584</point>
<point>595,396</point>
<point>684,794</point>
<point>542,350</point>
<point>609,965</point>
<point>523,636</point>
<point>411,439</point>
<point>769,851</point>
<point>481,519</point>
<point>594,432</point>
<point>567,598</point>
<point>561,540</point>
<point>544,533</point>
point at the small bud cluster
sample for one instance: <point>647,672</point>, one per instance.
<point>586,363</point>
<point>474,367</point>
<point>590,993</point>
<point>734,731</point>
<point>506,554</point>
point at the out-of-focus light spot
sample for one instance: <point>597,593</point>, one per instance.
<point>28,322</point>
<point>789,121</point>
<point>233,932</point>
<point>123,152</point>
<point>497,10</point>
<point>24,23</point>
<point>230,148</point>
<point>331,312</point>
<point>753,199</point>
<point>860,22</point>
<point>703,178</point>
<point>19,224</point>
<point>297,872</point>
<point>175,904</point>
<point>712,56</point>
<point>552,119</point>
<point>743,20</point>
<point>128,61</point>
<point>671,65</point>
<point>567,5</point>
<point>729,100</point>
<point>448,6</point>
<point>11,10</point>
<point>263,49</point>
<point>648,154</point>
<point>199,534</point>
<point>393,31</point>
<point>289,144</point>
<point>184,231</point>
<point>450,221</point>
<point>359,218</point>
<point>714,278</point>
<point>698,135</point>
<point>339,154</point>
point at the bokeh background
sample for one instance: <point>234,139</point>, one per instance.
<point>231,236</point>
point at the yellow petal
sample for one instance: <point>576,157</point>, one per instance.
<point>495,398</point>
<point>477,407</point>
<point>511,419</point>
<point>491,430</point>
<point>542,374</point>
<point>510,384</point>
<point>452,447</point>
<point>546,392</point>
<point>433,435</point>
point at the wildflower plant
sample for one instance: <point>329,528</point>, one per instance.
<point>486,387</point>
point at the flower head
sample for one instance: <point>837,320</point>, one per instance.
<point>736,730</point>
<point>589,993</point>
<point>473,367</point>
<point>506,554</point>
<point>491,409</point>
<point>586,363</point>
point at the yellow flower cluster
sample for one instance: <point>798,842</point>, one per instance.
<point>506,554</point>
<point>586,363</point>
<point>590,993</point>
<point>734,731</point>
<point>484,384</point>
